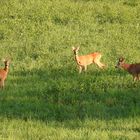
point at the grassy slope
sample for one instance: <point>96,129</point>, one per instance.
<point>45,97</point>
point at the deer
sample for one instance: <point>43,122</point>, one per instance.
<point>4,72</point>
<point>133,69</point>
<point>85,60</point>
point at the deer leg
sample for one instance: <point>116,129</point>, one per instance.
<point>134,78</point>
<point>96,61</point>
<point>102,65</point>
<point>85,67</point>
<point>138,78</point>
<point>80,69</point>
<point>99,64</point>
<point>1,84</point>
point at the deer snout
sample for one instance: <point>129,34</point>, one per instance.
<point>116,66</point>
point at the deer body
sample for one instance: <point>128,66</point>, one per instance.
<point>133,69</point>
<point>85,60</point>
<point>4,73</point>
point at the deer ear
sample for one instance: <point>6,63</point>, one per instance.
<point>78,48</point>
<point>73,48</point>
<point>9,60</point>
<point>121,59</point>
<point>6,59</point>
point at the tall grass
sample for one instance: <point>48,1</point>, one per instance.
<point>44,96</point>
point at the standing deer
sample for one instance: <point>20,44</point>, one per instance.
<point>85,60</point>
<point>133,69</point>
<point>4,73</point>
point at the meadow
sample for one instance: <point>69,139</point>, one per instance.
<point>45,98</point>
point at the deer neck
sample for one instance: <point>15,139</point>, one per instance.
<point>125,66</point>
<point>76,57</point>
<point>6,68</point>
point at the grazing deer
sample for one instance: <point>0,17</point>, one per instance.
<point>133,69</point>
<point>85,60</point>
<point>4,72</point>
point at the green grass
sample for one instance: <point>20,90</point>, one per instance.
<point>44,96</point>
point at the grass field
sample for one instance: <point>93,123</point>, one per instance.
<point>44,96</point>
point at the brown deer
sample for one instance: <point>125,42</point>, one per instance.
<point>85,60</point>
<point>133,69</point>
<point>4,73</point>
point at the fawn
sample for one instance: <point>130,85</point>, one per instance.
<point>4,72</point>
<point>85,60</point>
<point>133,69</point>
